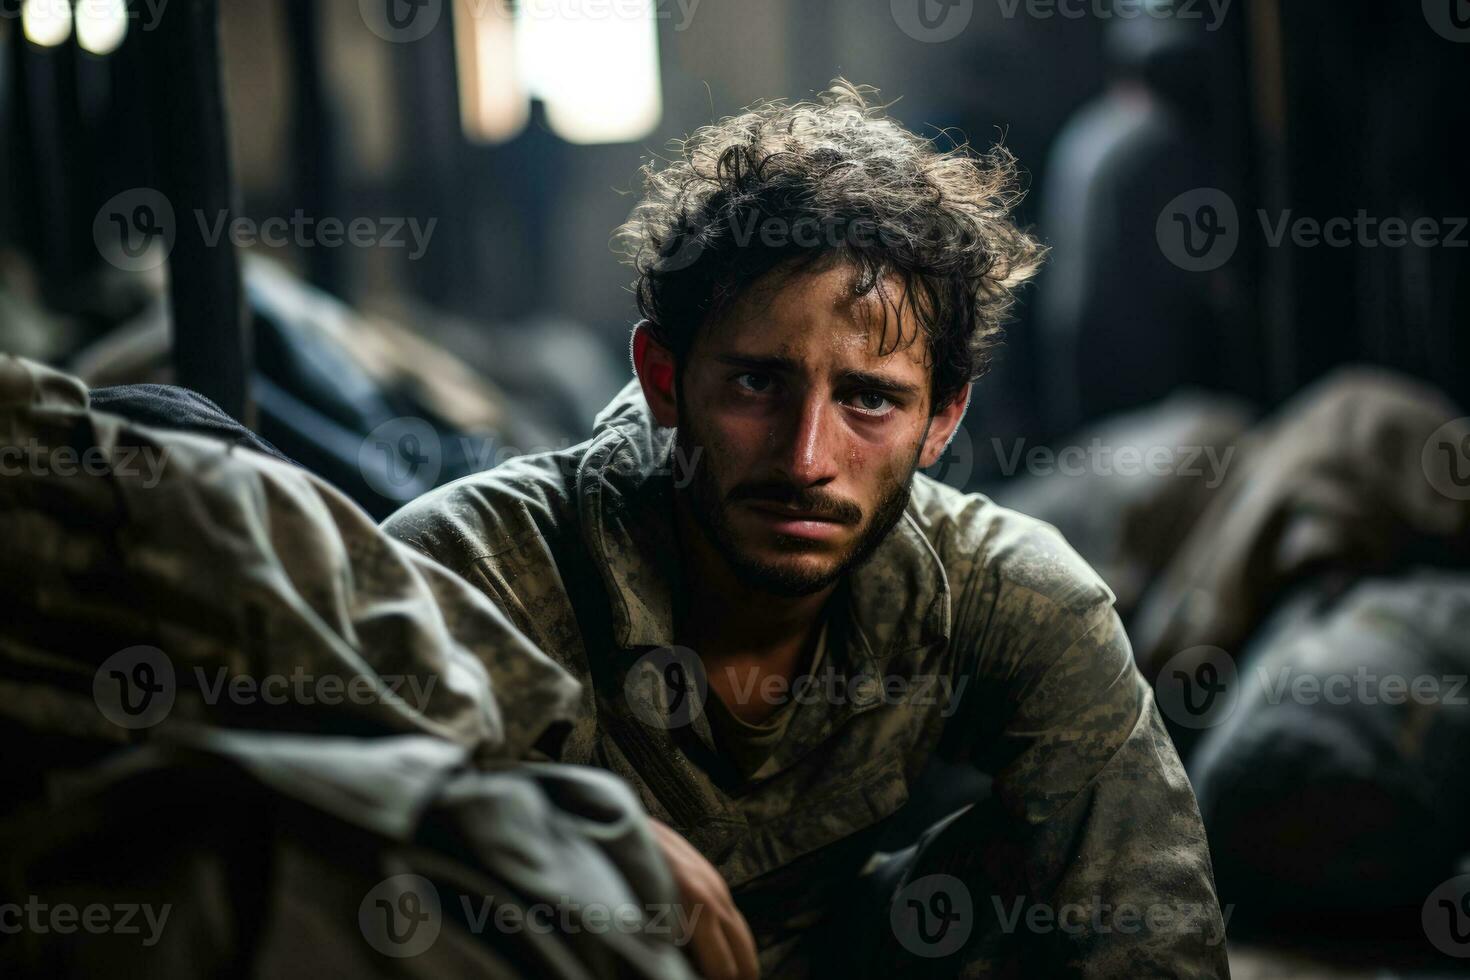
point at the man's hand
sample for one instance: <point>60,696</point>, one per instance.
<point>720,942</point>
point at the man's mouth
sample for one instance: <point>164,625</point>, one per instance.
<point>796,523</point>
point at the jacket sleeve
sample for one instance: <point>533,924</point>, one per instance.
<point>1107,872</point>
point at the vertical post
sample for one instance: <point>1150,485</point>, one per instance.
<point>47,100</point>
<point>211,348</point>
<point>314,142</point>
<point>1276,293</point>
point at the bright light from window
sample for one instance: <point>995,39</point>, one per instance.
<point>595,65</point>
<point>492,104</point>
<point>101,25</point>
<point>46,22</point>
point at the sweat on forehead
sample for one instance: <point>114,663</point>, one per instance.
<point>835,300</point>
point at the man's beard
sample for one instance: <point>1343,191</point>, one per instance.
<point>710,508</point>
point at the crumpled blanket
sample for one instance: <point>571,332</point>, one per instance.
<point>215,853</point>
<point>232,565</point>
<point>224,690</point>
<point>1342,477</point>
<point>1334,783</point>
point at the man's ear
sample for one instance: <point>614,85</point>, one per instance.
<point>655,366</point>
<point>942,427</point>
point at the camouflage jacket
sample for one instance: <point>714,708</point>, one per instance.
<point>973,633</point>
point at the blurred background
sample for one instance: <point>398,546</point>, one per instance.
<point>377,232</point>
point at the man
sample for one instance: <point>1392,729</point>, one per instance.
<point>779,623</point>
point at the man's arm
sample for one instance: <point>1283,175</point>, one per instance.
<point>1105,838</point>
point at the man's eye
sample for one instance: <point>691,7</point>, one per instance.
<point>872,403</point>
<point>754,382</point>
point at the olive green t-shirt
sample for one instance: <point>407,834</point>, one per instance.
<point>747,746</point>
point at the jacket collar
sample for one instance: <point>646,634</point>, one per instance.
<point>899,598</point>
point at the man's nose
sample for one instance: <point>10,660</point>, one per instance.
<point>808,454</point>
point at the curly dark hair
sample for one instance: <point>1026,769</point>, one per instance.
<point>789,185</point>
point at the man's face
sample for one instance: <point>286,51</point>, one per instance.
<point>809,435</point>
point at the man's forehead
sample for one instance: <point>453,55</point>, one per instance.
<point>823,315</point>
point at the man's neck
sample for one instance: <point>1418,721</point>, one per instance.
<point>740,633</point>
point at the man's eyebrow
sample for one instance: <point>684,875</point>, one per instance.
<point>757,363</point>
<point>881,382</point>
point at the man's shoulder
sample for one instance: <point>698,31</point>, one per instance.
<point>984,547</point>
<point>490,513</point>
